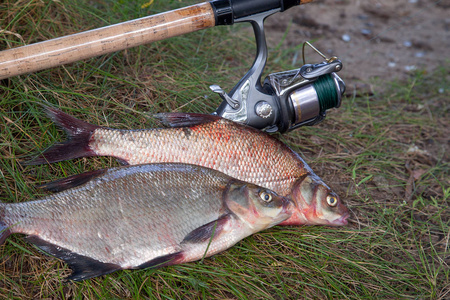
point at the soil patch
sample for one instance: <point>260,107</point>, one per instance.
<point>386,39</point>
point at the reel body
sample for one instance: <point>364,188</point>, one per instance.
<point>286,100</point>
<point>304,101</point>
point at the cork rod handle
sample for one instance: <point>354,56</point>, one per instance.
<point>105,40</point>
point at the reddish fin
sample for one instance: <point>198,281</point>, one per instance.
<point>77,145</point>
<point>4,228</point>
<point>122,162</point>
<point>163,261</point>
<point>185,119</point>
<point>83,267</point>
<point>205,232</point>
<point>71,181</point>
<point>4,232</point>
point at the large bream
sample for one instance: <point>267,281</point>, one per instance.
<point>142,216</point>
<point>237,150</point>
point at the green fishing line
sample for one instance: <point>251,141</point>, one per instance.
<point>326,91</point>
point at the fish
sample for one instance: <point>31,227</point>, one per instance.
<point>235,149</point>
<point>143,216</point>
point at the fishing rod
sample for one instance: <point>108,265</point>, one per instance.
<point>283,102</point>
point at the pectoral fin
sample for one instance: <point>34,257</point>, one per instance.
<point>83,267</point>
<point>184,119</point>
<point>207,231</point>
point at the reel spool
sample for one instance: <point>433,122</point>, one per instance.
<point>306,94</point>
<point>312,100</point>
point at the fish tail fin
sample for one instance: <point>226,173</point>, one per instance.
<point>77,145</point>
<point>4,228</point>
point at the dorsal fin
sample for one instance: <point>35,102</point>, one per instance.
<point>71,181</point>
<point>177,119</point>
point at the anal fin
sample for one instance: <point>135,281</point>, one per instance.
<point>83,267</point>
<point>206,232</point>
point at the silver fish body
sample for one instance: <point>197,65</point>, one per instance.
<point>144,216</point>
<point>237,150</point>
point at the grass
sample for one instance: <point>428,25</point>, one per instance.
<point>396,245</point>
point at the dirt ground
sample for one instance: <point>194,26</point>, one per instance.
<point>385,39</point>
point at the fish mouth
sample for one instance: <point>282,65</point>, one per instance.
<point>341,221</point>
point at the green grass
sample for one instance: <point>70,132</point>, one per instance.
<point>396,245</point>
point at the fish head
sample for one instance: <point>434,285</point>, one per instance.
<point>258,207</point>
<point>316,204</point>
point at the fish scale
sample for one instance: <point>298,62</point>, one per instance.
<point>143,216</point>
<point>251,159</point>
<point>140,214</point>
<point>210,141</point>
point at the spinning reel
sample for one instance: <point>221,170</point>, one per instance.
<point>285,100</point>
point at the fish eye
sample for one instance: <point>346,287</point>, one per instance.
<point>332,201</point>
<point>265,196</point>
